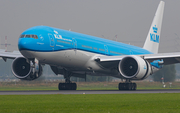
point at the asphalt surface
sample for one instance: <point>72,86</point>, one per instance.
<point>88,92</point>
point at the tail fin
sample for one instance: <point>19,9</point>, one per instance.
<point>152,41</point>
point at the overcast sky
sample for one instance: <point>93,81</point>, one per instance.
<point>130,20</point>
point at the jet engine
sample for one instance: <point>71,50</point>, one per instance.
<point>134,67</point>
<point>26,69</point>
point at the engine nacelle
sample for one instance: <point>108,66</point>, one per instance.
<point>23,69</point>
<point>134,67</point>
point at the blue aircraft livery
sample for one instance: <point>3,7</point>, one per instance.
<point>76,55</point>
<point>55,39</point>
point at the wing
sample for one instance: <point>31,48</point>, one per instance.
<point>10,55</point>
<point>168,58</point>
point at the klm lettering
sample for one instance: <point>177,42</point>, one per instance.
<point>154,37</point>
<point>57,36</point>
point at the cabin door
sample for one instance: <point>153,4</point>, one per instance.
<point>51,40</point>
<point>74,43</point>
<point>106,49</point>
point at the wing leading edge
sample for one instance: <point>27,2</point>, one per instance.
<point>10,55</point>
<point>167,58</point>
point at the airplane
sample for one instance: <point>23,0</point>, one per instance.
<point>75,55</point>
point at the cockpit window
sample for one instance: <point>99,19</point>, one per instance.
<point>29,36</point>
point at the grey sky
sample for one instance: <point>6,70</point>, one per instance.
<point>130,20</point>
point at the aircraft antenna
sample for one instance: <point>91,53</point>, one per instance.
<point>116,37</point>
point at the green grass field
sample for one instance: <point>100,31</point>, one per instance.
<point>86,103</point>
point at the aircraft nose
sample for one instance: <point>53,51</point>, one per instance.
<point>22,44</point>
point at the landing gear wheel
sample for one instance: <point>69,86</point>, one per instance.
<point>120,86</point>
<point>67,86</point>
<point>74,86</point>
<point>123,86</point>
<point>134,86</point>
<point>127,86</point>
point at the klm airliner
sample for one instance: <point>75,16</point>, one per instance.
<point>73,54</point>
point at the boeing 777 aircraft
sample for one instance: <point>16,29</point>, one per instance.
<point>74,54</point>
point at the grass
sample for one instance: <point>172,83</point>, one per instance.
<point>96,103</point>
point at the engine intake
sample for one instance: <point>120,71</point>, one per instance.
<point>134,67</point>
<point>24,70</point>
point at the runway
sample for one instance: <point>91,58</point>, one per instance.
<point>42,92</point>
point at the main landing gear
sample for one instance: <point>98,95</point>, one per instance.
<point>127,85</point>
<point>68,85</point>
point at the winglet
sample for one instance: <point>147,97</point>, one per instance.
<point>153,38</point>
